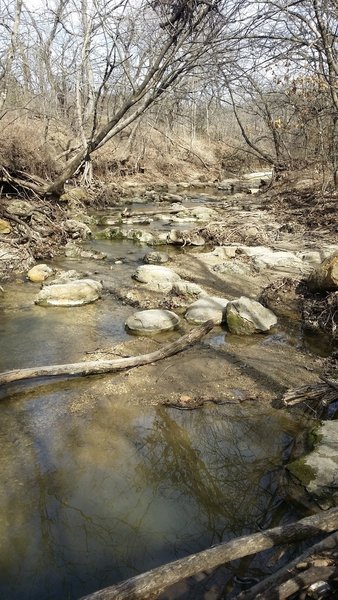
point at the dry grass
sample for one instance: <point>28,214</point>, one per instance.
<point>23,149</point>
<point>143,152</point>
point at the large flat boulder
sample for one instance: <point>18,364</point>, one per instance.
<point>156,277</point>
<point>245,316</point>
<point>72,293</point>
<point>208,307</point>
<point>149,322</point>
<point>282,261</point>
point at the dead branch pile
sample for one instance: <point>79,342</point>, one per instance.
<point>320,312</point>
<point>240,229</point>
<point>306,209</point>
<point>35,234</point>
<point>314,399</point>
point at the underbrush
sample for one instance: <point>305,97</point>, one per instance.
<point>34,147</point>
<point>24,149</point>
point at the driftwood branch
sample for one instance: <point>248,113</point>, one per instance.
<point>264,589</point>
<point>108,366</point>
<point>153,582</point>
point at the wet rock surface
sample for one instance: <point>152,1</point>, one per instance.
<point>39,273</point>
<point>156,277</point>
<point>208,307</point>
<point>156,258</point>
<point>150,322</point>
<point>317,471</point>
<point>72,293</point>
<point>245,316</point>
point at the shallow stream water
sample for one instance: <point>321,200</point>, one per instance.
<point>93,491</point>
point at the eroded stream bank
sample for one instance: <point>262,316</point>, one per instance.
<point>101,482</point>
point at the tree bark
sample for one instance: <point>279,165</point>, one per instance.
<point>108,366</point>
<point>153,582</point>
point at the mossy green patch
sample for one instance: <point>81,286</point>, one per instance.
<point>110,233</point>
<point>300,469</point>
<point>238,325</point>
<point>314,437</point>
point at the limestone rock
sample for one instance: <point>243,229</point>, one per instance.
<point>225,251</point>
<point>13,259</point>
<point>72,250</point>
<point>203,213</point>
<point>188,288</point>
<point>325,276</point>
<point>233,267</point>
<point>208,307</point>
<point>77,229</point>
<point>76,194</point>
<point>20,208</point>
<point>180,237</point>
<point>65,277</point>
<point>245,316</point>
<point>156,258</point>
<point>39,273</point>
<point>265,258</point>
<point>153,321</point>
<point>144,237</point>
<point>157,278</point>
<point>5,227</point>
<point>73,293</point>
<point>318,470</point>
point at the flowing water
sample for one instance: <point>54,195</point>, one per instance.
<point>93,490</point>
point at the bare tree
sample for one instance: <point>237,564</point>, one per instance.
<point>131,53</point>
<point>11,26</point>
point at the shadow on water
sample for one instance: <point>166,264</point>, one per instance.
<point>90,497</point>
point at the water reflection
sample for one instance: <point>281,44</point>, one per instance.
<point>90,497</point>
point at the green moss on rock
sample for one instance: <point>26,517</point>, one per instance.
<point>300,469</point>
<point>238,325</point>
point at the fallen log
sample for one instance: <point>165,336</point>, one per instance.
<point>109,366</point>
<point>152,583</point>
<point>263,589</point>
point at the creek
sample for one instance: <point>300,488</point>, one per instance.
<point>95,490</point>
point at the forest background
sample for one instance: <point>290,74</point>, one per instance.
<point>101,89</point>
